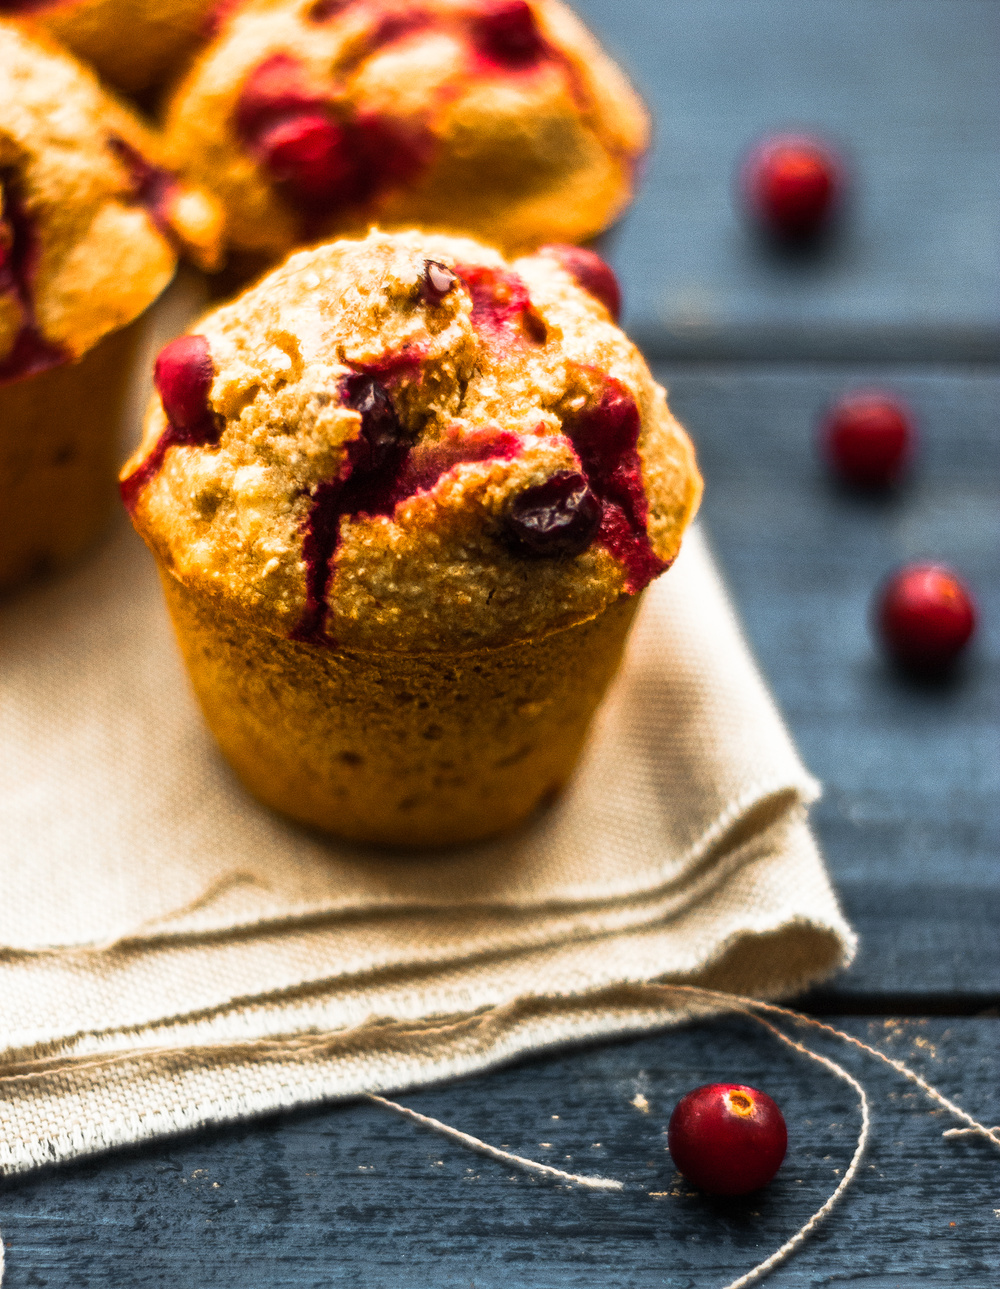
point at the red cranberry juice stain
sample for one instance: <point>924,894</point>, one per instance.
<point>381,470</point>
<point>502,312</point>
<point>183,376</point>
<point>606,437</point>
<point>427,463</point>
<point>152,186</point>
<point>30,353</point>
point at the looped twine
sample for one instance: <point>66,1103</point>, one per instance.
<point>751,1007</point>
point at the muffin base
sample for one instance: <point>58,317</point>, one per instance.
<point>59,448</point>
<point>402,750</point>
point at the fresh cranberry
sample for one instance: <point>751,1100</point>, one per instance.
<point>926,616</point>
<point>183,375</point>
<point>792,185</point>
<point>727,1138</point>
<point>506,32</point>
<point>868,438</point>
<point>558,517</point>
<point>438,280</point>
<point>309,155</point>
<point>590,272</point>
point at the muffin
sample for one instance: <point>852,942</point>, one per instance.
<point>134,44</point>
<point>403,496</point>
<point>89,229</point>
<point>497,118</point>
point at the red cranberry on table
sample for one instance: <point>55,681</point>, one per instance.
<point>727,1138</point>
<point>590,272</point>
<point>926,616</point>
<point>868,438</point>
<point>792,185</point>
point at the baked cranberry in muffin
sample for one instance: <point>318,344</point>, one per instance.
<point>91,223</point>
<point>409,435</point>
<point>500,117</point>
<point>403,494</point>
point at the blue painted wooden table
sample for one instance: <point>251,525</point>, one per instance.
<point>753,345</point>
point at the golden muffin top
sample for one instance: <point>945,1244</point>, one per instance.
<point>498,118</point>
<point>407,444</point>
<point>133,44</point>
<point>90,222</point>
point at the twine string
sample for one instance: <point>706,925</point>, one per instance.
<point>805,1230</point>
<point>721,1002</point>
<point>484,1148</point>
<point>749,1007</point>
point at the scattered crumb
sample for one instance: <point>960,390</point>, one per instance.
<point>640,1103</point>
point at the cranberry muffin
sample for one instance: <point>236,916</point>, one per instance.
<point>404,496</point>
<point>499,118</point>
<point>90,225</point>
<point>134,44</point>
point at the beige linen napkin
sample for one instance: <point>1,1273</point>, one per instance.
<point>173,954</point>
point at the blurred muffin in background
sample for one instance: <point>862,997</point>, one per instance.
<point>500,118</point>
<point>90,228</point>
<point>133,44</point>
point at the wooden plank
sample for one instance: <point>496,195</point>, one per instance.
<point>355,1196</point>
<point>909,820</point>
<point>906,91</point>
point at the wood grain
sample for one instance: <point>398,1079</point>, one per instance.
<point>905,91</point>
<point>909,819</point>
<point>355,1196</point>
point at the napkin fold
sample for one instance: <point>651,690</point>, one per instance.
<point>172,954</point>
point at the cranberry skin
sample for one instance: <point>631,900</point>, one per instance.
<point>558,517</point>
<point>590,272</point>
<point>727,1138</point>
<point>868,439</point>
<point>506,33</point>
<point>926,616</point>
<point>438,280</point>
<point>792,185</point>
<point>309,155</point>
<point>183,374</point>
<point>275,90</point>
<point>381,439</point>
